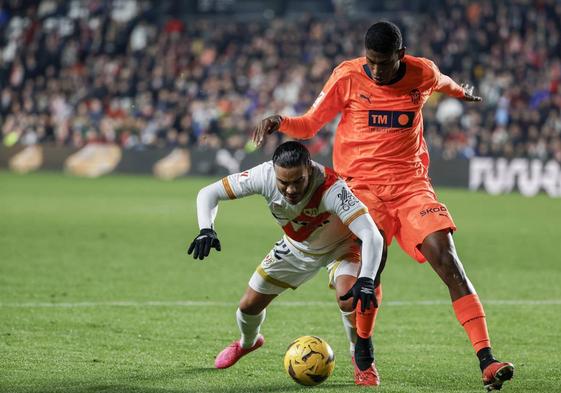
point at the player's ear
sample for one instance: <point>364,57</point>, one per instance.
<point>401,53</point>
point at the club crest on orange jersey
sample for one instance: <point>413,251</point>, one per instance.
<point>415,95</point>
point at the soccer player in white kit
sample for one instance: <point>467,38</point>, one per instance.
<point>324,225</point>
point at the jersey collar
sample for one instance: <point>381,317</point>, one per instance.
<point>399,76</point>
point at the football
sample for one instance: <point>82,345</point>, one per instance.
<point>309,360</point>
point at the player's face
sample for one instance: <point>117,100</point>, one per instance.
<point>384,66</point>
<point>293,182</point>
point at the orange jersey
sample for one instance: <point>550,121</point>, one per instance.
<point>380,135</point>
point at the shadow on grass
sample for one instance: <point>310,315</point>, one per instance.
<point>125,388</point>
<point>132,383</point>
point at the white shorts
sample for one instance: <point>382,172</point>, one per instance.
<point>286,267</point>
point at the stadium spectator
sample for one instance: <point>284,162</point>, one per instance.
<point>145,70</point>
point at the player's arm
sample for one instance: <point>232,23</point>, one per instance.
<point>207,207</point>
<point>353,213</point>
<point>371,255</point>
<point>330,101</point>
<point>231,187</point>
<point>446,85</point>
<point>365,229</point>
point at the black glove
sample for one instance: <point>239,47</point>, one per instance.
<point>363,290</point>
<point>201,245</point>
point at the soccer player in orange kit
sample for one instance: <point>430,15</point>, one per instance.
<point>380,151</point>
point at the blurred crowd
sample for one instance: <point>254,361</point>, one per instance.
<point>86,71</point>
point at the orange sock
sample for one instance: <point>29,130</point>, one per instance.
<point>365,321</point>
<point>471,316</point>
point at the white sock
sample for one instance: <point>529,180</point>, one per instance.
<point>349,324</point>
<point>249,327</point>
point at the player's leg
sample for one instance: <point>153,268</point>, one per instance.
<point>368,375</point>
<point>372,196</point>
<point>425,234</point>
<point>439,249</point>
<point>361,348</point>
<point>366,320</point>
<point>262,289</point>
<point>345,275</point>
<point>249,317</point>
<point>279,270</point>
<point>362,322</point>
<point>251,314</point>
<point>343,282</point>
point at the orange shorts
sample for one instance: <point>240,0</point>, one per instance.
<point>410,212</point>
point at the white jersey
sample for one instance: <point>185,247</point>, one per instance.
<point>319,222</point>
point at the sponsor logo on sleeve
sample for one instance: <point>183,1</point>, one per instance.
<point>244,177</point>
<point>347,199</point>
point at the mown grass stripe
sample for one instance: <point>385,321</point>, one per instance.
<point>203,303</point>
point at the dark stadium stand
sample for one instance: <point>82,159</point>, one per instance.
<point>200,74</point>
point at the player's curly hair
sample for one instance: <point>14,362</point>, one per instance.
<point>383,37</point>
<point>291,154</point>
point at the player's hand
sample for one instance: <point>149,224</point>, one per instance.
<point>201,245</point>
<point>266,127</point>
<point>468,93</point>
<point>363,290</point>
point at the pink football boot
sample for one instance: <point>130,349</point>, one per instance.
<point>234,352</point>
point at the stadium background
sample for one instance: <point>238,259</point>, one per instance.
<point>198,75</point>
<point>95,292</point>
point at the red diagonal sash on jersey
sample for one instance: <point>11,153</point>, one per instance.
<point>311,223</point>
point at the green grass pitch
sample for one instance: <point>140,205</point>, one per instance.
<point>97,294</point>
